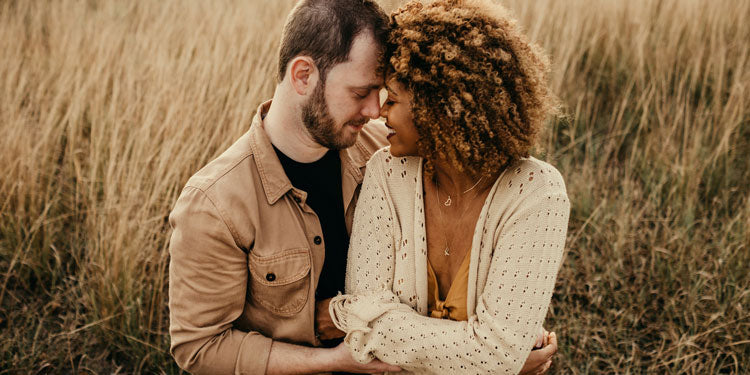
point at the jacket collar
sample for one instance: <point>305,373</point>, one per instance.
<point>275,181</point>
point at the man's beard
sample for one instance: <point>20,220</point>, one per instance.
<point>319,123</point>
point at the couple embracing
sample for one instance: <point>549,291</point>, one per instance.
<point>448,263</point>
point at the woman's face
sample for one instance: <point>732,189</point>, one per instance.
<point>396,110</point>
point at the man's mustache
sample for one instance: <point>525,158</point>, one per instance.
<point>358,122</point>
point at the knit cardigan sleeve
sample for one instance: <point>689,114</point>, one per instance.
<point>497,338</point>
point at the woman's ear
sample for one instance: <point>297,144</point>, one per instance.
<point>303,74</point>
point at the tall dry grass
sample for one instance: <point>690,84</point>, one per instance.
<point>107,107</point>
<point>655,156</point>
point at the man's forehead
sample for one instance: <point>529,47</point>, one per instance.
<point>361,69</point>
<point>357,75</point>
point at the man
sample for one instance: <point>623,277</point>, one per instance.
<point>261,233</point>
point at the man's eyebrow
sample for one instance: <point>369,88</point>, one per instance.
<point>374,86</point>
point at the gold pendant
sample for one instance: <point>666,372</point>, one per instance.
<point>447,251</point>
<point>448,201</point>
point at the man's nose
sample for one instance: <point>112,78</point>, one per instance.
<point>371,106</point>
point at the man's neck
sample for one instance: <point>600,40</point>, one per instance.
<point>288,134</point>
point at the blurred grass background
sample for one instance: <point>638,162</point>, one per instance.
<point>107,107</point>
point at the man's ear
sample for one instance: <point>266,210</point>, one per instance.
<point>303,74</point>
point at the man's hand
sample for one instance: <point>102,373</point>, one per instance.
<point>287,359</point>
<point>540,360</point>
<point>323,324</point>
<point>343,362</point>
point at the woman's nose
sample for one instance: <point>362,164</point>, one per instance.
<point>384,111</point>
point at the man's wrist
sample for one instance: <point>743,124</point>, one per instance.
<point>295,359</point>
<point>322,359</point>
<point>325,359</point>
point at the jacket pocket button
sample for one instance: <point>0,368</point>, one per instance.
<point>317,240</point>
<point>270,276</point>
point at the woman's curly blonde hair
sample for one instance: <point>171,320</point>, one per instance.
<point>480,93</point>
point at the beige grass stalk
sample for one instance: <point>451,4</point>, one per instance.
<point>107,107</point>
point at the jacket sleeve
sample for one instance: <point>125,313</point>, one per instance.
<point>207,285</point>
<point>527,254</point>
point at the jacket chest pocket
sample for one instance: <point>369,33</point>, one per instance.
<point>280,282</point>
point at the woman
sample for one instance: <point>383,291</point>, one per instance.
<point>459,233</point>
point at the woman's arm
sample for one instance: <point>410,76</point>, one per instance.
<point>509,312</point>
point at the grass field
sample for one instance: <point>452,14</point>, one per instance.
<point>107,107</point>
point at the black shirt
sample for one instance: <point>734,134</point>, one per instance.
<point>321,180</point>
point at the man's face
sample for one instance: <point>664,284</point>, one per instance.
<point>339,107</point>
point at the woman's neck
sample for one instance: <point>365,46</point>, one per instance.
<point>450,180</point>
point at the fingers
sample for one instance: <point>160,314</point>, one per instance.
<point>380,366</point>
<point>543,369</point>
<point>539,339</point>
<point>553,342</point>
<point>549,350</point>
<point>392,368</point>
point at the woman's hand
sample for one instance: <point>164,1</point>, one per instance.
<point>540,360</point>
<point>342,361</point>
<point>542,339</point>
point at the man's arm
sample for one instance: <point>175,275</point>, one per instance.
<point>207,290</point>
<point>288,359</point>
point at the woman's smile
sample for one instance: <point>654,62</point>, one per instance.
<point>402,134</point>
<point>391,131</point>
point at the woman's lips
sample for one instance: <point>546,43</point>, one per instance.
<point>391,131</point>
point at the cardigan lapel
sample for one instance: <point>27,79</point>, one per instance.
<point>477,244</point>
<point>420,244</point>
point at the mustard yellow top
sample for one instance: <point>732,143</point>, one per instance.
<point>454,306</point>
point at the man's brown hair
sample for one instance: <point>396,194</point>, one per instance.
<point>325,30</point>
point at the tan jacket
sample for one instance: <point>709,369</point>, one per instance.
<point>246,254</point>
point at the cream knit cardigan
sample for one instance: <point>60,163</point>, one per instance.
<point>516,252</point>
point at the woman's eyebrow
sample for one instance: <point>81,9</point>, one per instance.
<point>389,89</point>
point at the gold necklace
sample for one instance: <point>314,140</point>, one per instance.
<point>447,250</point>
<point>449,201</point>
